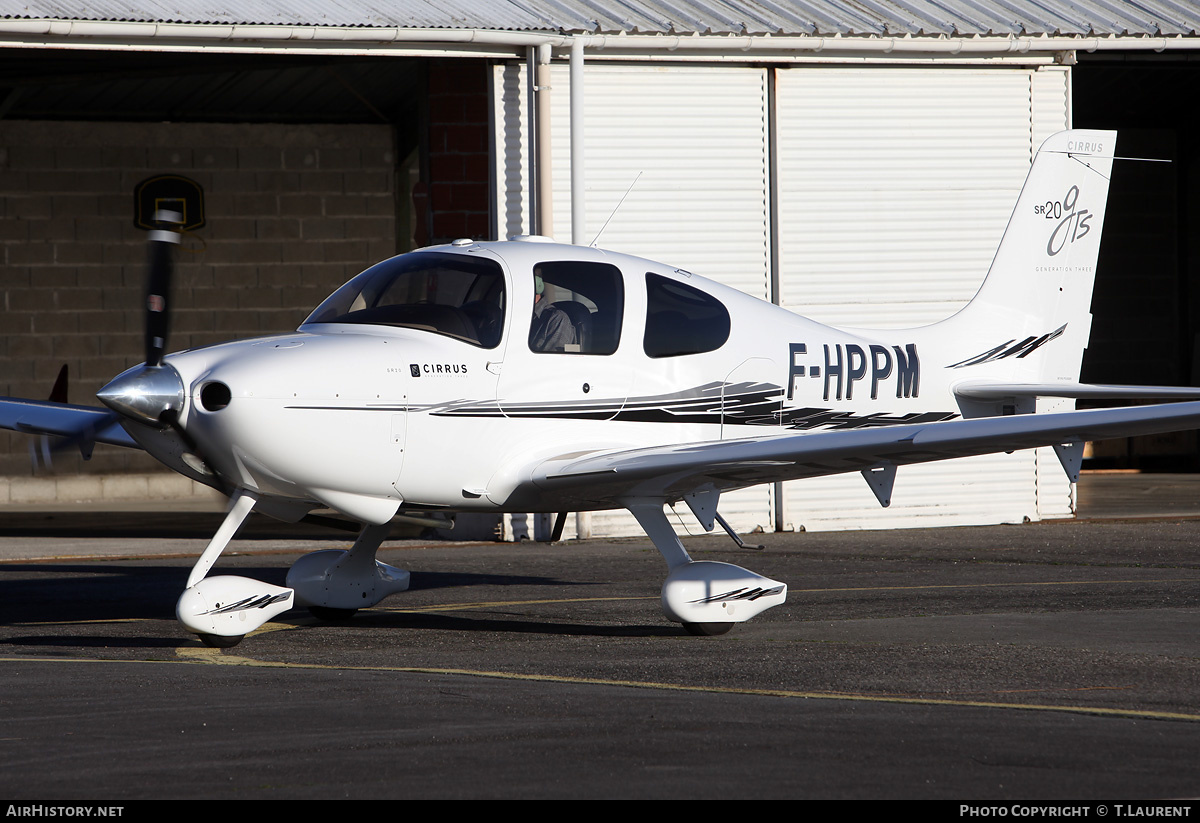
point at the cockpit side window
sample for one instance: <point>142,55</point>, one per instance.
<point>448,294</point>
<point>577,307</point>
<point>682,320</point>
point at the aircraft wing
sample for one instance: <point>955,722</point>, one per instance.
<point>84,423</point>
<point>982,390</point>
<point>675,471</point>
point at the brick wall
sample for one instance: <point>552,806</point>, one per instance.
<point>458,150</point>
<point>292,212</point>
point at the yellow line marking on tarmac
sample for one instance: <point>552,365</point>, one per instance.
<point>99,622</point>
<point>1065,689</point>
<point>193,655</point>
<point>997,585</point>
<point>199,654</point>
<point>492,604</point>
<point>485,604</point>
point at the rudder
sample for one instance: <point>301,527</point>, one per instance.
<point>1039,286</point>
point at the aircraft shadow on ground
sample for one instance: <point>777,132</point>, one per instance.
<point>162,525</point>
<point>40,593</point>
<point>431,621</point>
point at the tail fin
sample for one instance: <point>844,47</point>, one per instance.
<point>1039,287</point>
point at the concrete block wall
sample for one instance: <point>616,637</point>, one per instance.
<point>292,212</point>
<point>107,491</point>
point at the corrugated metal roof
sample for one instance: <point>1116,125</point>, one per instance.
<point>743,17</point>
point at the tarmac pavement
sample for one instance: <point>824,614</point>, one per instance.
<point>1055,660</point>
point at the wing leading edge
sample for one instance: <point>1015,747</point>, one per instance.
<point>983,390</point>
<point>85,423</point>
<point>673,472</point>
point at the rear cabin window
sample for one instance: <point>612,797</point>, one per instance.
<point>578,308</point>
<point>682,320</point>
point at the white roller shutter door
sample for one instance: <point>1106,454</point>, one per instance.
<point>694,139</point>
<point>1051,113</point>
<point>696,135</point>
<point>895,186</point>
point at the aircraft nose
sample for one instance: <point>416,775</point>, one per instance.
<point>145,393</point>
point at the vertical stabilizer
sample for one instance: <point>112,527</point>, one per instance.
<point>1039,287</point>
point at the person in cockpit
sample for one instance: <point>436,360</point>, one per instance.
<point>551,330</point>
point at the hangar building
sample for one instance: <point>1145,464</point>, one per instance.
<point>856,162</point>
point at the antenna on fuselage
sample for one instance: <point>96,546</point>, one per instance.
<point>595,240</point>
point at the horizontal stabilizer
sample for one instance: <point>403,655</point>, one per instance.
<point>983,390</point>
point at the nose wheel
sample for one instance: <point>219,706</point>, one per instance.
<point>217,641</point>
<point>707,629</point>
<point>222,610</point>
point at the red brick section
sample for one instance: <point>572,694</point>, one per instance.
<point>457,190</point>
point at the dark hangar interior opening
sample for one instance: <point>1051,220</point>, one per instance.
<point>1146,306</point>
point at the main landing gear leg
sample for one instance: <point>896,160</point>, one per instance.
<point>334,584</point>
<point>223,609</point>
<point>707,597</point>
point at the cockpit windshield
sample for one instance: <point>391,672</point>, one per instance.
<point>448,294</point>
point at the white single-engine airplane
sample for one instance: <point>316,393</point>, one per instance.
<point>527,376</point>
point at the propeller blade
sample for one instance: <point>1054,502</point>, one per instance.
<point>41,454</point>
<point>43,448</point>
<point>158,284</point>
<point>58,394</point>
<point>154,393</point>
